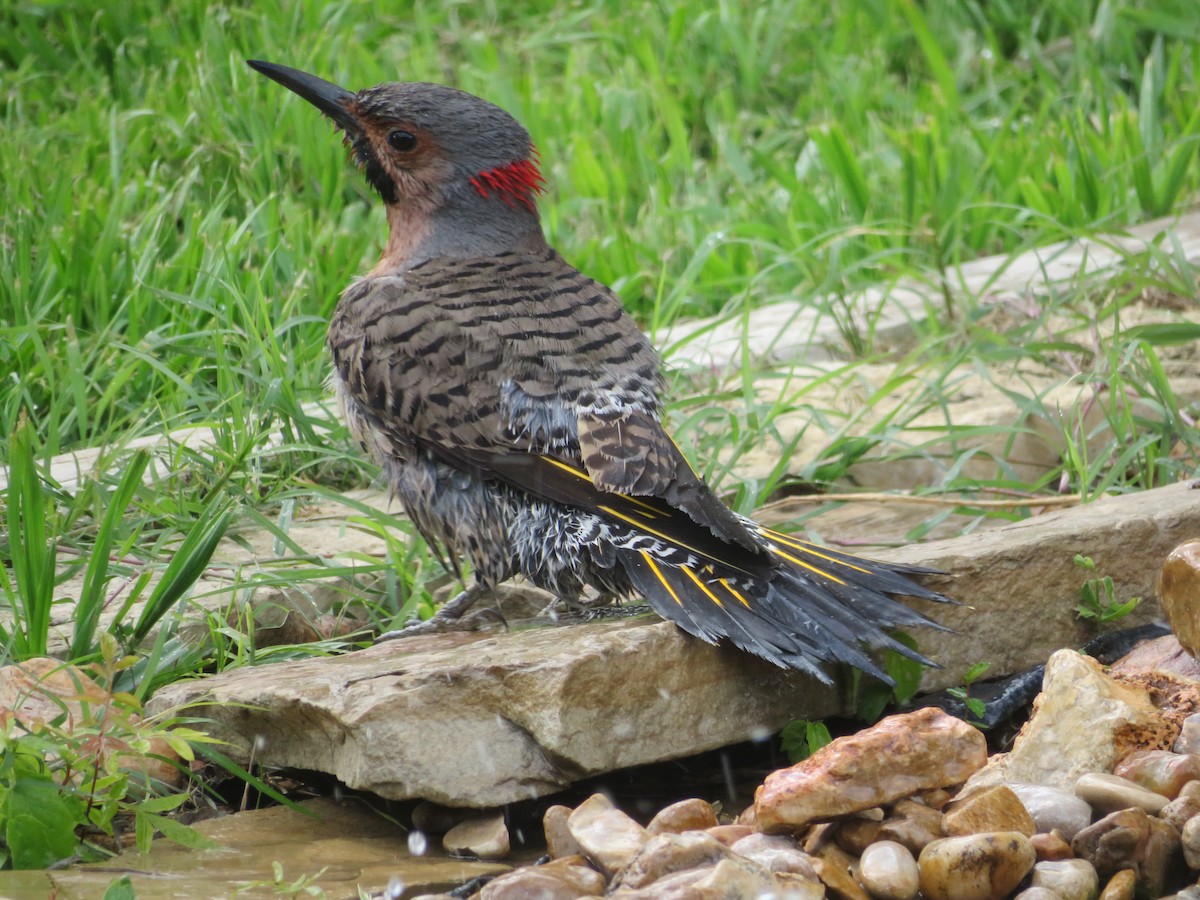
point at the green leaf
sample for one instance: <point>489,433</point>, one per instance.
<point>39,823</point>
<point>1160,333</point>
<point>181,834</point>
<point>120,889</point>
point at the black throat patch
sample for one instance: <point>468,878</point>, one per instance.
<point>364,155</point>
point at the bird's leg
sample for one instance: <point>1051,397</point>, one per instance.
<point>448,618</point>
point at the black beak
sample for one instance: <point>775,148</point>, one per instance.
<point>324,95</point>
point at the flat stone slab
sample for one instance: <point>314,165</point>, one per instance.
<point>486,719</point>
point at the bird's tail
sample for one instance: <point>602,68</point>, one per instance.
<point>803,606</point>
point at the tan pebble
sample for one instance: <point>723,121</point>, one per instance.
<point>686,815</point>
<point>1192,788</point>
<point>889,871</point>
<point>1051,846</point>
<point>1121,886</point>
<point>1179,593</point>
<point>912,824</point>
<point>1179,810</point>
<point>559,840</point>
<point>606,836</point>
<point>834,866</point>
<point>666,854</point>
<point>483,836</point>
<point>776,852</point>
<point>854,834</point>
<point>994,808</point>
<point>975,867</point>
<point>1071,879</point>
<point>1189,839</point>
<point>797,887</point>
<point>1160,771</point>
<point>1109,793</point>
<point>730,834</point>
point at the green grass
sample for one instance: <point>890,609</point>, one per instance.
<point>175,230</point>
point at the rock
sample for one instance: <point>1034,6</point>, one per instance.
<point>1189,735</point>
<point>1160,655</point>
<point>1130,839</point>
<point>1083,721</point>
<point>976,867</point>
<point>686,815</point>
<point>898,756</point>
<point>776,853</point>
<point>680,886</point>
<point>1191,790</point>
<point>1179,592</point>
<point>912,824</point>
<point>1189,839</point>
<point>1121,886</point>
<point>1191,892</point>
<point>1179,810</point>
<point>666,854</point>
<point>1160,771</point>
<point>736,877</point>
<point>1051,847</point>
<point>485,837</point>
<point>567,878</point>
<point>1052,808</point>
<point>434,819</point>
<point>606,836</point>
<point>994,808</point>
<point>1109,793</point>
<point>855,833</point>
<point>730,834</point>
<point>889,871</point>
<point>797,887</point>
<point>835,867</point>
<point>559,840</point>
<point>1037,893</point>
<point>1070,879</point>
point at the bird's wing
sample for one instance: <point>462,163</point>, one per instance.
<point>517,356</point>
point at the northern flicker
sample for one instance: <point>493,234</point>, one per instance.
<point>515,407</point>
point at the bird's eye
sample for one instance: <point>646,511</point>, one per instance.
<point>402,140</point>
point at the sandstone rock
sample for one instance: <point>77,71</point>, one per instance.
<point>912,824</point>
<point>1109,793</point>
<point>994,808</point>
<point>1130,839</point>
<point>736,876</point>
<point>666,854</point>
<point>1189,839</point>
<point>1121,886</point>
<point>835,867</point>
<point>898,756</point>
<point>1179,592</point>
<point>976,867</point>
<point>1053,808</point>
<point>559,840</point>
<point>680,886</point>
<point>1083,721</point>
<point>686,815</point>
<point>730,834</point>
<point>562,879</point>
<point>797,887</point>
<point>1189,735</point>
<point>1049,847</point>
<point>1070,879</point>
<point>485,837</point>
<point>776,853</point>
<point>1160,771</point>
<point>1179,810</point>
<point>855,833</point>
<point>607,837</point>
<point>889,871</point>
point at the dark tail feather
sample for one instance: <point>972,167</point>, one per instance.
<point>808,607</point>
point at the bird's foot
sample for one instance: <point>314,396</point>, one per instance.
<point>451,617</point>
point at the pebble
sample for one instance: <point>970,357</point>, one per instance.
<point>1122,886</point>
<point>994,808</point>
<point>1037,893</point>
<point>568,878</point>
<point>1179,593</point>
<point>483,836</point>
<point>1052,808</point>
<point>834,866</point>
<point>975,867</point>
<point>888,871</point>
<point>1071,879</point>
<point>559,840</point>
<point>912,824</point>
<point>1130,839</point>
<point>1189,838</point>
<point>892,759</point>
<point>1051,847</point>
<point>1179,810</point>
<point>1189,735</point>
<point>777,853</point>
<point>686,815</point>
<point>666,854</point>
<point>854,834</point>
<point>1109,793</point>
<point>606,836</point>
<point>1160,771</point>
<point>730,834</point>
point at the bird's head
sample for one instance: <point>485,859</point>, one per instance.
<point>431,150</point>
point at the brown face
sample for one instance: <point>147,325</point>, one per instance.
<point>403,161</point>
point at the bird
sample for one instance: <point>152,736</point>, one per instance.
<point>516,409</point>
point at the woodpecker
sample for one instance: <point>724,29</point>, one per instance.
<point>516,408</point>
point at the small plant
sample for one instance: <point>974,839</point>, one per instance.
<point>974,705</point>
<point>304,885</point>
<point>801,738</point>
<point>1099,603</point>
